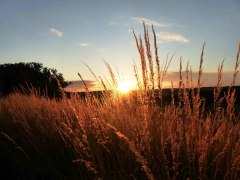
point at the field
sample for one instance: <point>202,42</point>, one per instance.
<point>124,136</point>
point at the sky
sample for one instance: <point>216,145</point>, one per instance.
<point>62,34</point>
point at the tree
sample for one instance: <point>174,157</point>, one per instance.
<point>25,76</point>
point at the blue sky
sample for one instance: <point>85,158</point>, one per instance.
<point>63,33</point>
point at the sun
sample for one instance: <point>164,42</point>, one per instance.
<point>125,86</point>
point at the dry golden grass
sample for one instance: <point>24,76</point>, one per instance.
<point>123,137</point>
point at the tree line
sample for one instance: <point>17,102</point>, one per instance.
<point>26,77</point>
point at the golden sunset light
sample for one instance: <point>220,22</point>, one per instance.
<point>130,89</point>
<point>125,86</point>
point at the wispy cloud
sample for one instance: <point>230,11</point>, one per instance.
<point>171,37</point>
<point>100,50</point>
<point>149,21</point>
<point>181,26</point>
<point>208,78</point>
<point>56,32</point>
<point>83,44</point>
<point>77,86</point>
<point>112,23</point>
<point>130,30</point>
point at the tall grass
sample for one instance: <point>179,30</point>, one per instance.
<point>124,137</point>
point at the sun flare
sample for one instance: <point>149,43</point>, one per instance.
<point>125,86</point>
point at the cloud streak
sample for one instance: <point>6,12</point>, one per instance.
<point>100,50</point>
<point>77,86</point>
<point>149,22</point>
<point>112,23</point>
<point>56,32</point>
<point>209,79</point>
<point>84,44</point>
<point>171,37</point>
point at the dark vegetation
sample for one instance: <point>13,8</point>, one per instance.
<point>26,77</point>
<point>205,92</point>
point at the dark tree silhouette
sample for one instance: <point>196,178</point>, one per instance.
<point>26,76</point>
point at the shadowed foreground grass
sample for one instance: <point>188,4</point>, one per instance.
<point>48,139</point>
<point>122,137</point>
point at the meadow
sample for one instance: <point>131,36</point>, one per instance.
<point>124,136</point>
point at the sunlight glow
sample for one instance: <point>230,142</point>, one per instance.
<point>125,86</point>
